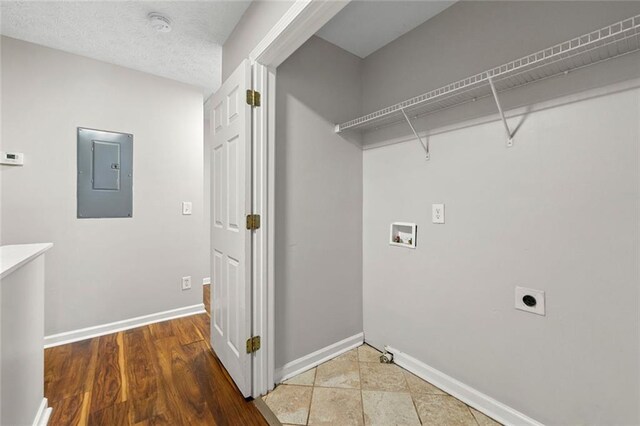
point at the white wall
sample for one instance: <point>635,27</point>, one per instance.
<point>557,212</point>
<point>103,270</point>
<point>318,205</point>
<point>22,331</point>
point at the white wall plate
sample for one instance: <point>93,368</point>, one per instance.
<point>187,207</point>
<point>530,300</point>
<point>12,158</point>
<point>437,213</point>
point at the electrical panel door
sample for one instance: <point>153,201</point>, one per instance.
<point>105,174</point>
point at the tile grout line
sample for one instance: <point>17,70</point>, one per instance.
<point>360,381</point>
<point>413,401</point>
<point>472,415</point>
<point>313,389</point>
<point>310,401</point>
<point>415,407</point>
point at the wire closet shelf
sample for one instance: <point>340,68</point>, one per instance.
<point>609,42</point>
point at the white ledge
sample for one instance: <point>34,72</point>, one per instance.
<point>14,256</point>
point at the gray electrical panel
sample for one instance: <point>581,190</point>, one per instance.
<point>105,174</point>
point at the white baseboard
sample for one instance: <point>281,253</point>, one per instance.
<point>470,396</point>
<point>43,414</point>
<point>206,281</point>
<point>101,330</point>
<point>311,360</point>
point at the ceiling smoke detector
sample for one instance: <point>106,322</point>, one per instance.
<point>160,23</point>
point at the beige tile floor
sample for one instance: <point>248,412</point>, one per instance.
<point>356,389</point>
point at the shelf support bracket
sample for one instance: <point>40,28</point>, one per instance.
<point>425,144</point>
<point>504,120</point>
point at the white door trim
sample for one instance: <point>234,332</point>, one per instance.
<point>303,19</point>
<point>262,286</point>
<point>297,25</point>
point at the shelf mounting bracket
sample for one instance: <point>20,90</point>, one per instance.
<point>504,120</point>
<point>425,144</point>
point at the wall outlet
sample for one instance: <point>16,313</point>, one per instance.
<point>437,213</point>
<point>187,207</point>
<point>186,283</point>
<point>530,300</point>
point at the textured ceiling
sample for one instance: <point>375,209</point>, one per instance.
<point>363,27</point>
<point>118,32</point>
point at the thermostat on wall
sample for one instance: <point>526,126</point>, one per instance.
<point>12,158</point>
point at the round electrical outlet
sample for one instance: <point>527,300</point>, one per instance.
<point>529,300</point>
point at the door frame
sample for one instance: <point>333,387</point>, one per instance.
<point>303,19</point>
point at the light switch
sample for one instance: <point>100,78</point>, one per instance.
<point>186,207</point>
<point>437,213</point>
<point>12,158</point>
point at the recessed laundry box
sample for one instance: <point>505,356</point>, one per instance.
<point>403,234</point>
<point>105,174</point>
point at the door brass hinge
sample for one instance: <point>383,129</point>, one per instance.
<point>253,98</point>
<point>253,344</point>
<point>253,221</point>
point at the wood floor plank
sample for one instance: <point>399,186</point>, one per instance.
<point>187,389</point>
<point>91,367</point>
<point>161,374</point>
<point>214,390</point>
<point>107,384</point>
<point>186,330</point>
<point>206,297</point>
<point>84,414</point>
<point>54,357</point>
<point>122,367</point>
<point>202,323</point>
<point>141,376</point>
<point>160,330</point>
<point>157,420</point>
<point>68,411</point>
<point>65,369</point>
<point>113,415</point>
<point>223,397</point>
<point>169,403</point>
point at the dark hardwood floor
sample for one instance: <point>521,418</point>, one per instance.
<point>160,374</point>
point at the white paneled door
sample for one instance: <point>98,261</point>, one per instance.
<point>230,240</point>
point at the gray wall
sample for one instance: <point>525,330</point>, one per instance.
<point>471,37</point>
<point>255,23</point>
<point>318,210</point>
<point>557,212</point>
<point>103,270</point>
